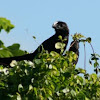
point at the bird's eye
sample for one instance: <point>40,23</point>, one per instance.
<point>61,25</point>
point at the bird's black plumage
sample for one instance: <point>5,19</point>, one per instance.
<point>60,27</point>
<point>74,46</point>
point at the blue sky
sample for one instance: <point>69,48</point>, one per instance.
<point>35,18</point>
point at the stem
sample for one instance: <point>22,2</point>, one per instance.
<point>71,45</point>
<point>84,57</point>
<point>92,48</point>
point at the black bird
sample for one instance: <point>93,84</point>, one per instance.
<point>61,29</point>
<point>74,46</point>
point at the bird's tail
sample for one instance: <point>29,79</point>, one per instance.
<point>8,60</point>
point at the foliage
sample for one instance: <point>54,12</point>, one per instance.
<point>13,50</point>
<point>50,76</point>
<point>94,57</point>
<point>5,24</point>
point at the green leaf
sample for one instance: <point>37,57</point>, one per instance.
<point>1,44</point>
<point>59,45</point>
<point>96,64</point>
<point>15,46</point>
<point>49,92</point>
<point>87,98</point>
<point>88,40</point>
<point>94,77</point>
<point>96,70</point>
<point>73,93</point>
<point>35,91</point>
<point>60,37</point>
<point>90,62</point>
<point>14,49</point>
<point>5,53</point>
<point>54,67</point>
<point>75,56</point>
<point>2,84</point>
<point>77,36</point>
<point>80,96</point>
<point>34,37</point>
<point>5,24</point>
<point>70,59</point>
<point>81,70</point>
<point>37,61</point>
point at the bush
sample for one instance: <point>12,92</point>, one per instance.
<point>50,76</point>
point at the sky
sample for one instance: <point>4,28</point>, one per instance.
<point>35,18</point>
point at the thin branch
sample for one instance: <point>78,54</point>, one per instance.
<point>71,45</point>
<point>84,57</point>
<point>92,48</point>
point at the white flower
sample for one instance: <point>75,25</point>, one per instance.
<point>30,63</point>
<point>25,61</point>
<point>65,90</point>
<point>58,93</point>
<point>50,66</point>
<point>5,70</point>
<point>18,97</point>
<point>13,63</point>
<point>20,86</point>
<point>26,71</point>
<point>32,80</point>
<point>30,87</point>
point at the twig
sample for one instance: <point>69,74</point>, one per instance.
<point>71,45</point>
<point>92,48</point>
<point>84,57</point>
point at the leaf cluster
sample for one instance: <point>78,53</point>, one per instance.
<point>5,24</point>
<point>50,76</point>
<point>13,50</point>
<point>10,51</point>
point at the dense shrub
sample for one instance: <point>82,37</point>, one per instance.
<point>50,76</point>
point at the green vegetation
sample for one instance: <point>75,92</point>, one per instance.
<point>50,76</point>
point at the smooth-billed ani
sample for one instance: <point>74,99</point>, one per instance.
<point>60,27</point>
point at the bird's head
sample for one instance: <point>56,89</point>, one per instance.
<point>60,26</point>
